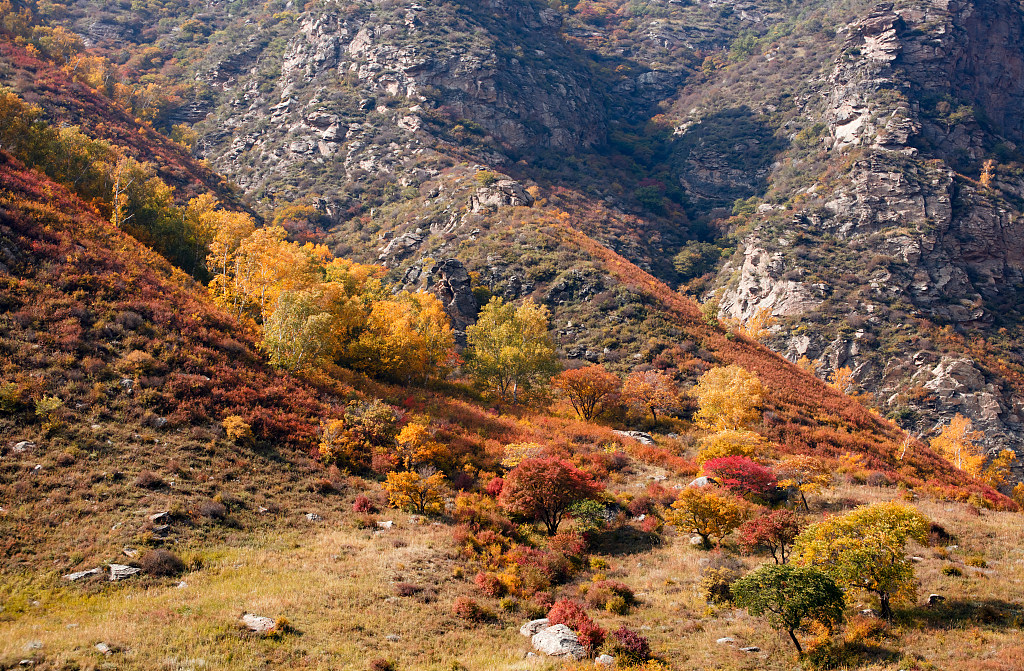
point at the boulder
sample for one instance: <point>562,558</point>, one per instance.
<point>313,517</point>
<point>78,575</point>
<point>122,571</point>
<point>605,660</point>
<point>160,518</point>
<point>726,640</point>
<point>935,599</point>
<point>257,623</point>
<point>24,446</point>
<point>559,641</point>
<point>644,438</point>
<point>386,525</point>
<point>533,626</point>
<point>702,481</point>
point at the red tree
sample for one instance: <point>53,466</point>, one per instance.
<point>741,475</point>
<point>775,530</point>
<point>544,488</point>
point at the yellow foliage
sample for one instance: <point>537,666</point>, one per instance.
<point>756,327</point>
<point>958,443</point>
<point>805,473</point>
<point>729,398</point>
<point>706,511</point>
<point>236,428</point>
<point>999,469</point>
<point>410,490</point>
<point>730,443</point>
<point>516,452</point>
<point>842,380</point>
<point>417,447</point>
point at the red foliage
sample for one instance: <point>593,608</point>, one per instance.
<point>630,645</point>
<point>363,504</point>
<point>544,488</point>
<point>573,614</point>
<point>489,584</point>
<point>741,476</point>
<point>775,530</point>
<point>495,486</point>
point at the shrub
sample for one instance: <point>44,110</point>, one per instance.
<point>382,664</point>
<point>544,489</point>
<point>707,511</point>
<point>951,571</point>
<point>572,614</point>
<point>213,510</point>
<point>741,476</point>
<point>489,584</point>
<point>977,561</point>
<point>716,585</point>
<point>162,562</point>
<point>237,429</point>
<point>468,609</point>
<point>630,647</point>
<point>363,504</point>
<point>149,480</point>
<point>605,593</point>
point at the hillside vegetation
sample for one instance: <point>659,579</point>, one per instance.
<point>384,426</point>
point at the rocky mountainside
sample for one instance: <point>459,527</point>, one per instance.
<point>854,166</point>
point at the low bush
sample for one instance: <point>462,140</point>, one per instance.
<point>161,562</point>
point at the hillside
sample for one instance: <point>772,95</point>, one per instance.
<point>333,388</point>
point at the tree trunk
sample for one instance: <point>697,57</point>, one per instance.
<point>799,650</point>
<point>885,609</point>
<point>804,499</point>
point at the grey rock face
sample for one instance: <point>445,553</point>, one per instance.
<point>122,571</point>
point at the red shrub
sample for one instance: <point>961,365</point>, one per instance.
<point>630,646</point>
<point>741,475</point>
<point>572,614</point>
<point>363,504</point>
<point>495,485</point>
<point>489,584</point>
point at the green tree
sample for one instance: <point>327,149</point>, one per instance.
<point>696,259</point>
<point>866,548</point>
<point>510,349</point>
<point>789,597</point>
<point>298,333</point>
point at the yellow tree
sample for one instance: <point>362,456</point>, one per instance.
<point>266,265</point>
<point>842,380</point>
<point>729,398</point>
<point>958,443</point>
<point>706,511</point>
<point>730,443</point>
<point>510,351</point>
<point>866,549</point>
<point>804,473</point>
<point>999,470</point>
<point>420,491</point>
<point>650,391</point>
<point>417,447</point>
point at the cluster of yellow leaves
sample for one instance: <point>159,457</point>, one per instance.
<point>958,443</point>
<point>315,309</point>
<point>730,443</point>
<point>516,452</point>
<point>805,473</point>
<point>421,492</point>
<point>706,511</point>
<point>729,398</point>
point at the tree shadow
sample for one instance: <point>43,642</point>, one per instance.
<point>623,540</point>
<point>952,613</point>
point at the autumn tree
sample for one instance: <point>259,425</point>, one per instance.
<point>544,488</point>
<point>775,530</point>
<point>740,475</point>
<point>729,398</point>
<point>587,388</point>
<point>842,380</point>
<point>298,333</point>
<point>866,549</point>
<point>650,391</point>
<point>709,512</point>
<point>997,472</point>
<point>420,491</point>
<point>510,351</point>
<point>789,597</point>
<point>958,443</point>
<point>805,473</point>
<point>416,446</point>
<point>730,443</point>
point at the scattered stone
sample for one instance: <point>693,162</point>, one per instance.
<point>131,553</point>
<point>559,641</point>
<point>78,575</point>
<point>394,638</point>
<point>122,571</point>
<point>386,525</point>
<point>751,648</point>
<point>531,655</point>
<point>702,481</point>
<point>257,623</point>
<point>917,559</point>
<point>161,517</point>
<point>162,530</point>
<point>726,640</point>
<point>261,510</point>
<point>869,612</point>
<point>182,585</point>
<point>103,649</point>
<point>313,517</point>
<point>696,540</point>
<point>24,446</point>
<point>533,626</point>
<point>605,660</point>
<point>26,662</point>
<point>644,438</point>
<point>935,599</point>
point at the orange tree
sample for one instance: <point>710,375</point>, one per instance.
<point>650,391</point>
<point>587,388</point>
<point>544,489</point>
